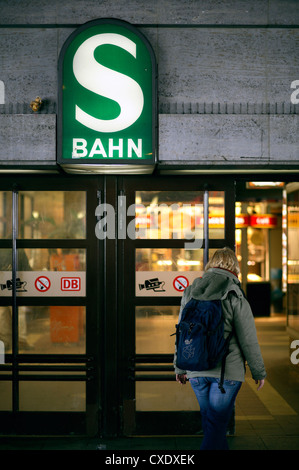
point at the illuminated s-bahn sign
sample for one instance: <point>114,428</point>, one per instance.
<point>107,100</point>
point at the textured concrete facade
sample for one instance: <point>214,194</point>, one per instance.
<point>225,74</point>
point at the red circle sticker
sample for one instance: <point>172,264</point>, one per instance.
<point>180,283</point>
<point>42,284</point>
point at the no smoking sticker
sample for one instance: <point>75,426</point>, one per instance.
<point>180,283</point>
<point>42,284</point>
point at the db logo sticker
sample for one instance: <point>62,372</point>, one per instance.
<point>42,284</point>
<point>180,283</point>
<point>70,283</point>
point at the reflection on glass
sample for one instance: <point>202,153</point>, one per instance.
<point>238,240</point>
<point>168,259</point>
<point>52,330</point>
<point>178,214</point>
<point>6,328</point>
<point>5,260</point>
<point>163,259</point>
<point>5,395</point>
<point>154,325</point>
<point>165,396</point>
<point>52,396</point>
<point>44,259</point>
<point>5,289</point>
<point>52,259</point>
<point>293,306</point>
<point>5,214</point>
<point>293,232</point>
<point>52,214</point>
<point>293,258</point>
<point>169,214</point>
<point>216,215</point>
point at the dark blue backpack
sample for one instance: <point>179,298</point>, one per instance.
<point>200,339</point>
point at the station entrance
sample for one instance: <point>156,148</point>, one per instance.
<point>92,273</point>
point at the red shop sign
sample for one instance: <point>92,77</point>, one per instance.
<point>242,220</point>
<point>263,221</point>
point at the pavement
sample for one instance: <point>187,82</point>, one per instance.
<point>265,420</point>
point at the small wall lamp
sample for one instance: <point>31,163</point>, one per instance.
<point>36,104</point>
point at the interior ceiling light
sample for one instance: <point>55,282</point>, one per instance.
<point>265,184</point>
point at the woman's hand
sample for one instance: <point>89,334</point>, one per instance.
<point>261,383</point>
<point>181,378</point>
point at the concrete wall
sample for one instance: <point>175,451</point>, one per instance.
<point>225,74</point>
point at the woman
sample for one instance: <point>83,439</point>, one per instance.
<point>220,281</point>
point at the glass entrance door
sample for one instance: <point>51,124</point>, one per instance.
<point>91,277</point>
<point>178,223</point>
<point>47,321</point>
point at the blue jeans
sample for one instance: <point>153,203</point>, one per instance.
<point>215,409</point>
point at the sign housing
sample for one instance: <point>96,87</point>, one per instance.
<point>107,100</point>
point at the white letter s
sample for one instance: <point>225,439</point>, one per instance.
<point>109,83</point>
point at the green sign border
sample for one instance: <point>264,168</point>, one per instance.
<point>98,164</point>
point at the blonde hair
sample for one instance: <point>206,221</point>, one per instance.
<point>224,258</point>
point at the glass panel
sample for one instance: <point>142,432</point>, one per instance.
<point>154,325</point>
<point>178,214</point>
<point>166,272</point>
<point>257,248</point>
<point>162,259</point>
<point>52,214</point>
<point>6,328</point>
<point>5,395</point>
<point>53,272</point>
<point>5,214</point>
<point>243,265</point>
<point>293,259</point>
<point>5,260</point>
<point>52,259</point>
<point>165,396</point>
<point>52,330</point>
<point>162,272</point>
<point>169,214</point>
<point>216,215</point>
<point>6,291</point>
<point>52,396</point>
<point>293,306</point>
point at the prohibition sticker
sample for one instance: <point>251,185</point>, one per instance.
<point>180,283</point>
<point>42,284</point>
